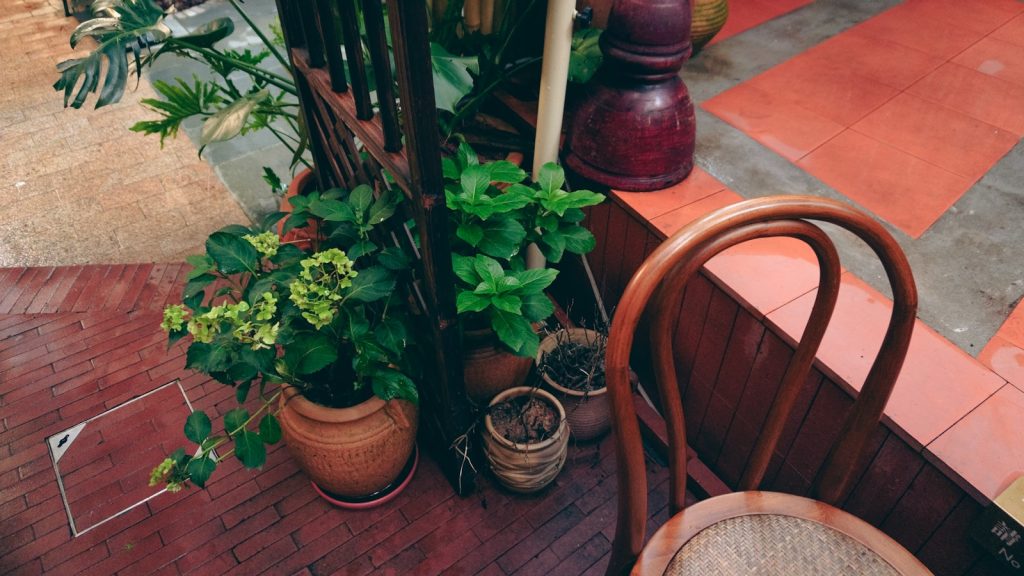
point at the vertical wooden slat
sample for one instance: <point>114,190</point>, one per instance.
<point>332,46</point>
<point>373,18</point>
<point>409,31</point>
<point>354,55</point>
<point>314,42</point>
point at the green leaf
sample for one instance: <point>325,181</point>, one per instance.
<point>249,449</point>
<point>452,78</point>
<point>310,352</point>
<point>585,55</point>
<point>551,177</point>
<point>537,307</point>
<point>208,34</point>
<point>232,254</point>
<point>391,334</point>
<point>201,264</point>
<point>361,248</point>
<point>270,429</point>
<point>272,180</point>
<point>505,171</point>
<point>200,469</point>
<point>334,211</point>
<point>177,103</point>
<point>578,239</point>
<point>489,270</point>
<point>206,358</point>
<point>467,302</point>
<point>383,208</point>
<point>515,332</point>
<point>287,254</point>
<point>552,245</point>
<point>269,222</point>
<point>535,281</point>
<point>510,200</point>
<point>465,269</point>
<point>393,258</point>
<point>361,199</point>
<point>371,284</point>
<point>228,122</point>
<point>241,372</point>
<point>196,285</point>
<point>503,238</point>
<point>235,230</point>
<point>474,181</point>
<point>234,420</point>
<point>389,384</point>
<point>507,303</point>
<point>470,232</point>
<point>242,391</point>
<point>197,426</point>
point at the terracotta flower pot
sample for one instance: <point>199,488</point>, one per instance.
<point>526,468</point>
<point>301,237</point>
<point>350,452</point>
<point>588,413</point>
<point>488,368</point>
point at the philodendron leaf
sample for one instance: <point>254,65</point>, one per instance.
<point>197,426</point>
<point>452,78</point>
<point>270,429</point>
<point>208,34</point>
<point>249,449</point>
<point>310,352</point>
<point>200,469</point>
<point>228,122</point>
<point>232,254</point>
<point>235,419</point>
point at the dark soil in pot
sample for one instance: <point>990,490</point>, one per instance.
<point>525,419</point>
<point>563,365</point>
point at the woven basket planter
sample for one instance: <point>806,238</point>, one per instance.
<point>709,17</point>
<point>526,468</point>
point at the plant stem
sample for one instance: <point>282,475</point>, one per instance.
<point>271,78</point>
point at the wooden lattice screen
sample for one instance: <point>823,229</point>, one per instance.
<point>359,131</point>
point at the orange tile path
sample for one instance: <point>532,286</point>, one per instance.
<point>945,401</point>
<point>902,113</point>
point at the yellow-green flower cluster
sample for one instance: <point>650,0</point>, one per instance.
<point>317,292</point>
<point>260,333</point>
<point>174,318</point>
<point>206,326</point>
<point>161,473</point>
<point>266,243</point>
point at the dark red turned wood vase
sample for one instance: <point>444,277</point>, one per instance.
<point>635,128</point>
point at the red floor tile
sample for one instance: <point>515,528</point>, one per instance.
<point>901,189</point>
<point>887,62</point>
<point>834,93</point>
<point>1005,359</point>
<point>767,273</point>
<point>649,205</point>
<point>996,58</point>
<point>1012,329</point>
<point>981,16</point>
<point>772,120</point>
<point>984,97</point>
<point>984,448</point>
<point>939,383</point>
<point>940,135</point>
<point>923,27</point>
<point>1012,31</point>
<point>669,223</point>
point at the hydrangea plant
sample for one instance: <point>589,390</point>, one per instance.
<point>495,216</point>
<point>260,311</point>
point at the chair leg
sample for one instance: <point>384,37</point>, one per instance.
<point>621,560</point>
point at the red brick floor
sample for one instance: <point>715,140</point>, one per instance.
<point>75,342</point>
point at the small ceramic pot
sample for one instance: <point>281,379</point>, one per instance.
<point>588,413</point>
<point>488,368</point>
<point>526,468</point>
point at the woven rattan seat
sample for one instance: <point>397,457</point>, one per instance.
<point>775,545</point>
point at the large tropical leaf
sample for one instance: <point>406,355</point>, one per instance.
<point>452,76</point>
<point>126,24</point>
<point>228,122</point>
<point>179,102</point>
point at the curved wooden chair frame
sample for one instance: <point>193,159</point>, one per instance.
<point>660,280</point>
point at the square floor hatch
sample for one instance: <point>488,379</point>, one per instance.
<point>103,464</point>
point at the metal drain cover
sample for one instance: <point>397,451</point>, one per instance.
<point>103,464</point>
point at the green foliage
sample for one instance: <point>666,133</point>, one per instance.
<point>329,322</point>
<point>585,55</point>
<point>453,76</point>
<point>495,216</point>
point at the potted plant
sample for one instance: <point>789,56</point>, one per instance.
<point>571,361</point>
<point>526,438</point>
<point>319,336</point>
<point>495,216</point>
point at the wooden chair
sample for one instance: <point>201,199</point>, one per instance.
<point>751,532</point>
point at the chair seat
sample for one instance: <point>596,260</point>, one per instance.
<point>765,533</point>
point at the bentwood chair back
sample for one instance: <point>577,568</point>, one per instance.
<point>751,532</point>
